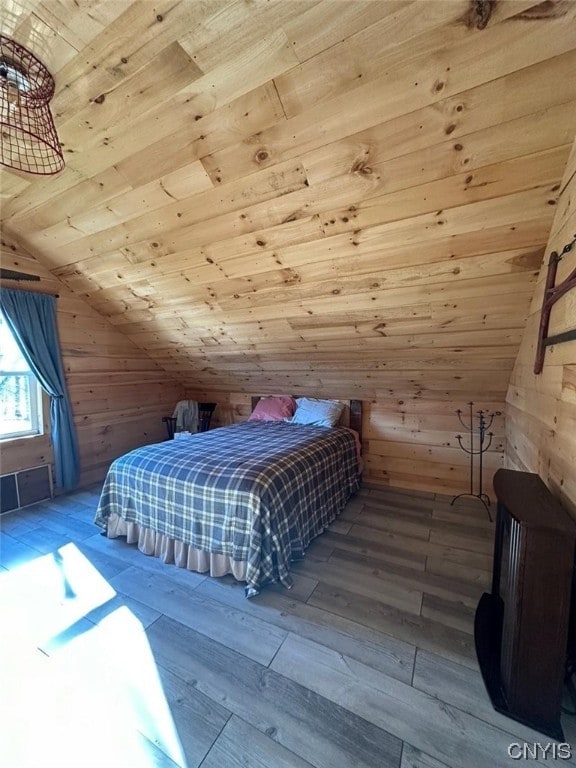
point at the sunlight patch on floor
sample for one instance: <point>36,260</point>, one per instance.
<point>90,689</point>
<point>46,595</point>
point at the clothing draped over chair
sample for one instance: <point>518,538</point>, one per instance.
<point>186,415</point>
<point>32,319</point>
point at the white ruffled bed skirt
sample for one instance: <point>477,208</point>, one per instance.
<point>172,551</point>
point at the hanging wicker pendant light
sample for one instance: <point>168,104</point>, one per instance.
<point>28,140</point>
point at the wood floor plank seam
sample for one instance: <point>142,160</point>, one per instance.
<point>269,665</point>
<point>214,741</point>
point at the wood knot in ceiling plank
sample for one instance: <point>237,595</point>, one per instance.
<point>481,12</point>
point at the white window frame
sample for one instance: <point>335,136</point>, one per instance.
<point>36,416</point>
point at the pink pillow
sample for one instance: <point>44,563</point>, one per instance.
<point>273,409</point>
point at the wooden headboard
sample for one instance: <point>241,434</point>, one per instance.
<point>352,416</point>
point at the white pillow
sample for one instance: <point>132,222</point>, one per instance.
<point>318,413</point>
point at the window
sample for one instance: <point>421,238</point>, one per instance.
<point>20,393</point>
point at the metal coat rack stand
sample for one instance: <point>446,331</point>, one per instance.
<point>478,448</point>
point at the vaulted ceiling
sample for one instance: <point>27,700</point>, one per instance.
<point>344,196</point>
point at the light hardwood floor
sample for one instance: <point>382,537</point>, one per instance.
<point>111,658</point>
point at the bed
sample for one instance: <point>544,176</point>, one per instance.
<point>245,499</point>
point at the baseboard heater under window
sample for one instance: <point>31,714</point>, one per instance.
<point>19,489</point>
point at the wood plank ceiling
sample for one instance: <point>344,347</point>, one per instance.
<point>334,196</point>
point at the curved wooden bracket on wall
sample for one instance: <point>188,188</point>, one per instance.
<point>551,295</point>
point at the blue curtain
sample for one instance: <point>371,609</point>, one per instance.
<point>32,319</point>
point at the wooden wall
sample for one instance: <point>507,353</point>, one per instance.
<point>405,444</point>
<point>541,410</point>
<point>118,394</point>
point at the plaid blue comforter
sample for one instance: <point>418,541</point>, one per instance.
<point>258,492</point>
